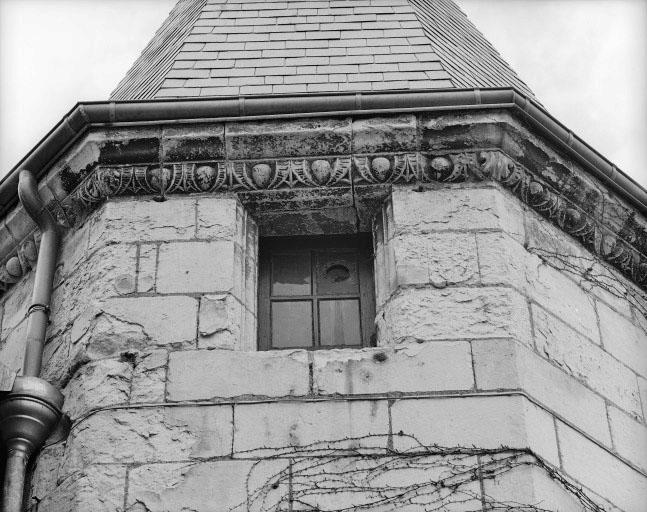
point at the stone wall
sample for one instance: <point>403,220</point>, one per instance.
<point>506,352</point>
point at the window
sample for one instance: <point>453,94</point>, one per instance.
<point>315,292</point>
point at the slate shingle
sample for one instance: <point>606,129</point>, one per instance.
<point>232,47</point>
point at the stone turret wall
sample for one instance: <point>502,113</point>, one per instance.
<point>510,361</point>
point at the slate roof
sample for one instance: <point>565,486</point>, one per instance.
<point>210,48</point>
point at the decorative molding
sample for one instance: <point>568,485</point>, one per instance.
<point>617,246</point>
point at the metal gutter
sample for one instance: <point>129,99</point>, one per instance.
<point>109,113</point>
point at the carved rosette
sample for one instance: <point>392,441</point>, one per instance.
<point>399,168</point>
<point>449,168</point>
<point>20,262</point>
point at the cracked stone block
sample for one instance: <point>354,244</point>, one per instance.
<point>396,133</point>
<point>219,218</point>
<point>99,488</point>
<point>586,361</point>
<point>160,434</point>
<point>472,209</point>
<point>12,347</point>
<point>405,368</point>
<point>263,428</point>
<point>629,437</point>
<point>17,301</point>
<point>149,377</point>
<point>143,220</point>
<point>97,384</point>
<point>220,322</point>
<point>510,421</point>
<point>623,339</point>
<point>232,485</point>
<point>200,374</point>
<point>426,314</point>
<point>194,267</point>
<point>45,476</point>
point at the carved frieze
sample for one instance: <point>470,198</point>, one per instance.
<point>618,247</point>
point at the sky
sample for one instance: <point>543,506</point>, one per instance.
<point>586,61</point>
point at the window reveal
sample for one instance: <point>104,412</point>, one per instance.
<point>316,292</point>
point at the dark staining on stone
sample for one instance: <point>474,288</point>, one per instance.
<point>131,152</point>
<point>398,134</point>
<point>69,179</point>
<point>192,150</point>
<point>380,357</point>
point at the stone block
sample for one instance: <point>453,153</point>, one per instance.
<point>505,261</point>
<point>623,339</point>
<point>211,374</point>
<point>504,364</point>
<point>16,302</point>
<point>440,259</point>
<point>232,485</point>
<point>99,488</point>
<point>147,268</point>
<point>524,484</point>
<point>194,267</point>
<point>585,361</point>
<point>149,377</point>
<point>164,320</point>
<point>281,428</point>
<point>97,384</point>
<point>221,322</point>
<point>629,437</point>
<point>426,314</point>
<point>601,471</point>
<point>482,422</point>
<point>285,138</point>
<point>143,220</point>
<point>12,347</point>
<point>396,133</point>
<point>642,388</point>
<point>160,434</point>
<point>193,143</point>
<point>471,209</point>
<point>219,218</point>
<point>45,476</point>
<point>107,272</point>
<point>73,250</point>
<point>433,366</point>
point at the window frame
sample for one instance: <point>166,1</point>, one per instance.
<point>361,243</point>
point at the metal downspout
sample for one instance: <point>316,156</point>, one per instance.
<point>30,413</point>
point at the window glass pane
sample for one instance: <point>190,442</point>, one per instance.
<point>291,324</point>
<point>336,273</point>
<point>291,274</point>
<point>339,322</point>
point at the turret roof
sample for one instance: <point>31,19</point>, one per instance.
<point>208,48</point>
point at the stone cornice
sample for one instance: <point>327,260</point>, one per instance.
<point>423,149</point>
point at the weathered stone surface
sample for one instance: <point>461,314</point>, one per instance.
<point>147,268</point>
<point>509,421</point>
<point>165,320</point>
<point>504,364</point>
<point>12,347</point>
<point>585,361</point>
<point>200,374</point>
<point>438,258</point>
<point>45,476</point>
<point>143,220</point>
<point>149,377</point>
<point>471,209</point>
<point>528,484</point>
<point>220,321</point>
<point>453,313</point>
<point>629,437</point>
<point>102,275</point>
<point>505,261</point>
<point>601,471</point>
<point>197,267</point>
<point>98,384</point>
<point>384,134</point>
<point>191,143</point>
<point>273,428</point>
<point>288,138</point>
<point>73,250</point>
<point>220,485</point>
<point>17,302</point>
<point>432,366</point>
<point>160,434</point>
<point>98,488</point>
<point>623,339</point>
<point>642,387</point>
<point>219,218</point>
